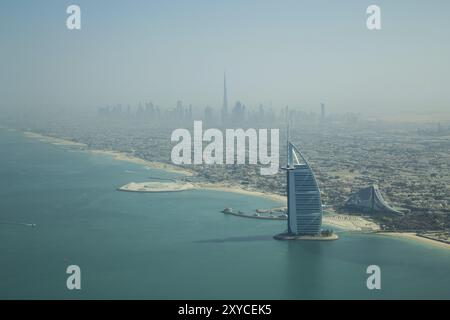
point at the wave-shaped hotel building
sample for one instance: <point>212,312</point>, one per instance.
<point>304,202</point>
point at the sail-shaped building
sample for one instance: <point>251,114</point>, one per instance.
<point>304,202</point>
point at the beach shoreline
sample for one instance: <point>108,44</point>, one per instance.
<point>345,222</point>
<point>53,140</point>
<point>342,221</point>
<point>233,188</point>
<point>412,236</point>
<point>121,156</point>
<point>156,187</point>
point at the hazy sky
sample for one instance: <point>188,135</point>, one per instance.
<point>294,52</point>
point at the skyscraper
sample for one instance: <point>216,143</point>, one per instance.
<point>304,202</point>
<point>225,100</point>
<point>322,111</point>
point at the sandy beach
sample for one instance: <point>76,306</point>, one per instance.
<point>342,221</point>
<point>156,187</point>
<point>53,140</point>
<point>149,164</point>
<point>414,237</point>
<point>350,223</point>
<point>115,154</point>
<point>237,189</point>
<point>345,222</point>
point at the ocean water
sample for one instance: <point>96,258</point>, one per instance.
<point>175,245</point>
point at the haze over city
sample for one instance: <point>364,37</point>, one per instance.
<point>301,53</point>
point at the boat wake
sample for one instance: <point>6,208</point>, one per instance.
<point>19,223</point>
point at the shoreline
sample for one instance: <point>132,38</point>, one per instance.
<point>121,156</point>
<point>53,140</point>
<point>414,237</point>
<point>237,189</point>
<point>343,221</point>
<point>156,187</point>
<point>348,223</point>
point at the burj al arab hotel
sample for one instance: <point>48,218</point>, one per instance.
<point>303,194</point>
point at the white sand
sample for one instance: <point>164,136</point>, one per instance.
<point>156,186</point>
<point>414,237</point>
<point>224,187</point>
<point>117,155</point>
<point>346,222</point>
<point>343,221</point>
<point>149,164</point>
<point>52,140</point>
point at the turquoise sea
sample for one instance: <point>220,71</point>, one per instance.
<point>175,245</point>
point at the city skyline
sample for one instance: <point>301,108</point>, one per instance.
<point>301,53</point>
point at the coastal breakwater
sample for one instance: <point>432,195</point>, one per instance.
<point>156,187</point>
<point>341,221</point>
